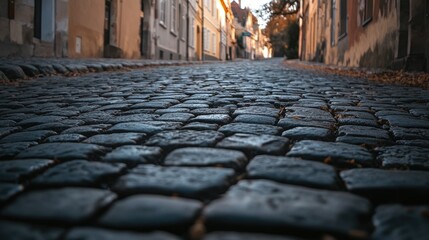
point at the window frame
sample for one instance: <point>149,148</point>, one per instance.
<point>368,12</point>
<point>162,13</point>
<point>342,30</point>
<point>173,17</point>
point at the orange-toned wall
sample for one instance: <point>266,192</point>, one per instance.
<point>86,20</point>
<point>128,27</point>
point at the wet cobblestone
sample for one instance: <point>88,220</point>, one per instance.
<point>243,150</point>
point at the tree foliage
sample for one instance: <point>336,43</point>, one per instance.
<point>282,28</point>
<point>283,32</point>
<point>279,8</point>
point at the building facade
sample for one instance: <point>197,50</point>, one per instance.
<point>366,33</point>
<point>151,29</point>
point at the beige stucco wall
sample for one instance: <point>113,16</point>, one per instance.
<point>87,24</point>
<point>128,23</point>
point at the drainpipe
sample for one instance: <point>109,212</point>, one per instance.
<point>202,34</point>
<point>187,30</point>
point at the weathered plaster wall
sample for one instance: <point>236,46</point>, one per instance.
<point>88,25</point>
<point>128,32</point>
<point>366,45</point>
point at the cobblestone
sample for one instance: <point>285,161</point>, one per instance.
<point>206,157</point>
<point>209,135</point>
<point>262,205</point>
<point>77,204</point>
<point>400,222</point>
<point>18,170</point>
<point>150,211</point>
<point>184,181</point>
<point>293,171</point>
<point>63,151</point>
<point>255,144</point>
<point>77,173</point>
<point>132,154</point>
<point>404,156</point>
<point>102,234</point>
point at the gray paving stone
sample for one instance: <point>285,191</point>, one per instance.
<point>241,235</point>
<point>132,155</point>
<point>7,123</point>
<point>95,117</point>
<point>27,136</point>
<point>409,133</point>
<point>255,110</point>
<point>213,118</point>
<point>169,140</point>
<point>18,170</point>
<point>358,121</point>
<point>200,126</point>
<point>308,133</point>
<point>116,139</point>
<point>200,183</point>
<point>363,131</point>
<point>63,151</point>
<point>87,130</point>
<point>3,76</point>
<point>257,119</point>
<point>78,173</point>
<point>19,231</point>
<point>206,157</point>
<point>150,211</point>
<point>154,104</point>
<point>404,157</point>
<point>191,105</point>
<point>309,114</point>
<point>400,222</point>
<point>9,150</point>
<point>142,117</point>
<point>12,72</point>
<point>7,191</point>
<point>71,137</point>
<point>293,171</point>
<point>388,185</point>
<point>40,120</point>
<point>208,111</point>
<point>288,123</point>
<point>4,131</point>
<point>175,117</point>
<point>363,141</point>
<point>417,142</point>
<point>55,126</point>
<point>87,233</point>
<point>148,127</point>
<point>249,128</point>
<point>355,115</point>
<point>330,152</point>
<point>65,205</point>
<point>407,121</point>
<point>255,144</point>
<point>268,206</point>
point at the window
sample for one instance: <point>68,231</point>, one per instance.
<point>183,26</point>
<point>11,9</point>
<point>206,39</point>
<point>367,14</point>
<point>162,9</point>
<point>333,19</point>
<point>214,43</point>
<point>192,32</point>
<point>343,19</point>
<point>173,16</point>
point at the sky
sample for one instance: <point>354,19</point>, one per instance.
<point>254,5</point>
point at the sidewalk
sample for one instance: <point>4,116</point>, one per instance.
<point>12,69</point>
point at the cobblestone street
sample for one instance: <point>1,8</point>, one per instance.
<point>233,150</point>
